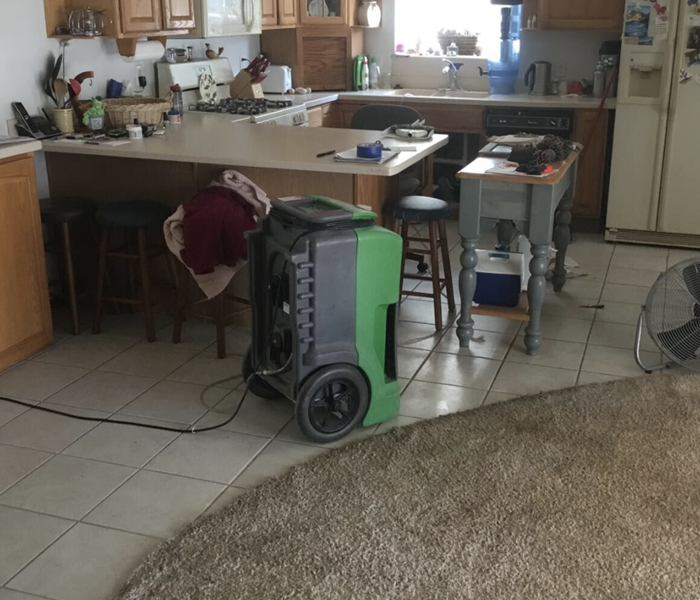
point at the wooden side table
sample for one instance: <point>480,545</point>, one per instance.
<point>537,205</point>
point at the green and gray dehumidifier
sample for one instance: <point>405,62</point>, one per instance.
<point>324,289</point>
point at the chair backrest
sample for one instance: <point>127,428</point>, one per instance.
<point>379,117</point>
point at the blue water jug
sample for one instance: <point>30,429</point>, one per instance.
<point>504,68</point>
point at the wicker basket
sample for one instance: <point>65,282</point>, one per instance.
<point>148,111</point>
<point>467,44</point>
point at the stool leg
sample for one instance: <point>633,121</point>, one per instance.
<point>404,237</point>
<point>146,285</point>
<point>435,268</point>
<point>180,304</point>
<point>70,276</point>
<point>172,269</point>
<point>219,317</point>
<point>130,267</point>
<point>101,270</point>
<point>447,266</point>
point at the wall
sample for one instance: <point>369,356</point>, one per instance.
<point>574,55</point>
<point>26,51</point>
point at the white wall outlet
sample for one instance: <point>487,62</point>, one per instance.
<point>560,70</point>
<point>11,129</point>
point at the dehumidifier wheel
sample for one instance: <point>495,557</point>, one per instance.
<point>257,384</point>
<point>422,267</point>
<point>331,403</point>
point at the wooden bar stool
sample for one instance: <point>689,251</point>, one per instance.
<point>218,316</point>
<point>59,214</point>
<point>134,217</point>
<point>422,209</point>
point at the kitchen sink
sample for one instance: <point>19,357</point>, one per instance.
<point>424,93</point>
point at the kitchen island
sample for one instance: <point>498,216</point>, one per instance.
<point>282,160</point>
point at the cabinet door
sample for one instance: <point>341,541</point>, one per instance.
<point>591,169</point>
<point>25,318</point>
<point>178,14</point>
<point>269,12</point>
<point>140,16</point>
<point>324,12</point>
<point>287,12</point>
<point>593,15</point>
<point>325,62</point>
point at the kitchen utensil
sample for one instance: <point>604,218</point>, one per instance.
<point>538,78</point>
<point>60,88</point>
<point>86,21</point>
<point>74,88</point>
<point>373,150</point>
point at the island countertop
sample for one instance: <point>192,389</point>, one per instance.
<point>215,140</point>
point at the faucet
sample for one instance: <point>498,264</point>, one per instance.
<point>451,71</point>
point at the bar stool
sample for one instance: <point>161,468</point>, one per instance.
<point>219,316</point>
<point>422,209</point>
<point>134,217</point>
<point>59,214</point>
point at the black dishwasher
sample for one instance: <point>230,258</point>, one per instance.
<point>538,121</point>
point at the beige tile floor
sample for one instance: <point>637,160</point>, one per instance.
<point>82,503</point>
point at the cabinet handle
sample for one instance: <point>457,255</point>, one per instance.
<point>249,19</point>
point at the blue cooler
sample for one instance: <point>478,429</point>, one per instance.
<point>499,278</point>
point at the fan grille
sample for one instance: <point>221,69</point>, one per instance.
<point>672,313</point>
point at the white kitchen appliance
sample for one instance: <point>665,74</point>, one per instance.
<point>267,111</point>
<point>654,183</point>
<point>222,18</point>
<point>278,80</point>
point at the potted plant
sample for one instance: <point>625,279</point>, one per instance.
<point>94,116</point>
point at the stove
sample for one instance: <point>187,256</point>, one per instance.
<point>240,106</point>
<point>261,110</point>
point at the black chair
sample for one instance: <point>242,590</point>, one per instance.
<point>434,212</point>
<point>378,117</point>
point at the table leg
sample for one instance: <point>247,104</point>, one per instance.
<point>562,238</point>
<point>535,295</point>
<point>469,226</point>
<point>467,289</point>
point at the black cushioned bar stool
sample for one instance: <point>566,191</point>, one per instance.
<point>422,209</point>
<point>134,217</point>
<point>59,214</point>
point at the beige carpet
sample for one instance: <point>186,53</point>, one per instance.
<point>587,493</point>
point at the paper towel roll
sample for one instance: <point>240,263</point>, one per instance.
<point>148,50</point>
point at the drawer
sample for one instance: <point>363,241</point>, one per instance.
<point>466,119</point>
<point>502,201</point>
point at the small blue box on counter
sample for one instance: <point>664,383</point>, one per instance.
<point>498,278</point>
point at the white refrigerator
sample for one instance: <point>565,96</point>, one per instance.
<point>655,178</point>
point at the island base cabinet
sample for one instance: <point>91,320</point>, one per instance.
<point>25,315</point>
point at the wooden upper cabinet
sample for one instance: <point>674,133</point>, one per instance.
<point>268,12</point>
<point>288,12</point>
<point>592,15</point>
<point>323,12</point>
<point>178,14</point>
<point>141,16</point>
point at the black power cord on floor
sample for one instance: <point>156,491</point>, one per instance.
<point>201,396</point>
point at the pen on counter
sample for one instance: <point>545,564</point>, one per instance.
<point>325,154</point>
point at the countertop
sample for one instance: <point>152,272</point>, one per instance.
<point>523,100</point>
<point>217,140</point>
<point>8,151</point>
